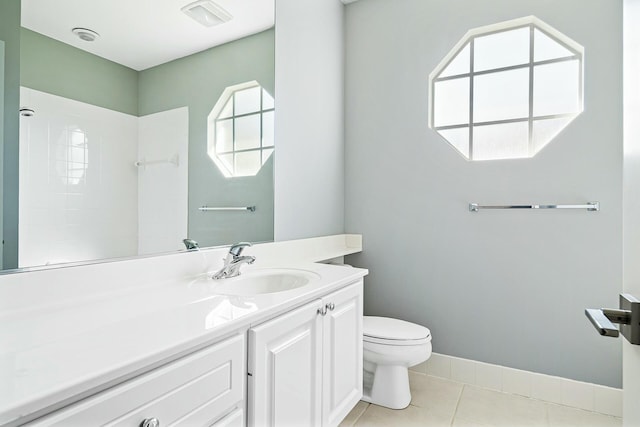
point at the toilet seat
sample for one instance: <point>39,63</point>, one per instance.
<point>385,330</point>
<point>385,341</point>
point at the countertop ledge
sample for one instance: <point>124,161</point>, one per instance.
<point>54,357</point>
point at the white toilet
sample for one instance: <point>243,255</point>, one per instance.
<point>391,346</point>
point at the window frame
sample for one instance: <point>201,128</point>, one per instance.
<point>214,121</point>
<point>533,23</point>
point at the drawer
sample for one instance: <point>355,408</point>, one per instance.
<point>234,419</point>
<point>195,390</point>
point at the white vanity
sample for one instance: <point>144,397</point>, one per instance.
<point>180,353</point>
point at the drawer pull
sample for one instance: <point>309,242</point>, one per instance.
<point>150,422</point>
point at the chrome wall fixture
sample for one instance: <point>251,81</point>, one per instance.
<point>589,206</point>
<point>173,160</point>
<point>227,208</point>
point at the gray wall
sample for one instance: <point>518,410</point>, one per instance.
<point>503,287</point>
<point>10,34</point>
<point>197,81</point>
<point>309,169</point>
<point>57,68</point>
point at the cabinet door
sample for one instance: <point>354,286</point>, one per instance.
<point>342,347</point>
<point>285,370</point>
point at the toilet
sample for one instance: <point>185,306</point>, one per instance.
<point>391,346</point>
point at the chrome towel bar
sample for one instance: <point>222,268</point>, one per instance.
<point>227,208</point>
<point>173,160</point>
<point>590,206</point>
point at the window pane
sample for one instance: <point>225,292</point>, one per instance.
<point>267,129</point>
<point>224,136</point>
<point>502,49</point>
<point>247,132</point>
<point>556,88</point>
<point>460,64</point>
<point>545,130</point>
<point>227,110</point>
<point>451,102</point>
<point>77,138</point>
<point>459,138</point>
<point>501,96</point>
<point>77,154</point>
<point>544,47</point>
<point>227,162</point>
<point>267,100</point>
<point>266,154</point>
<point>502,141</point>
<point>247,164</point>
<point>247,100</point>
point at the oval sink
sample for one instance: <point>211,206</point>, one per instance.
<point>265,281</point>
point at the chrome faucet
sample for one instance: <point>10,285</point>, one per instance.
<point>234,261</point>
<point>191,244</point>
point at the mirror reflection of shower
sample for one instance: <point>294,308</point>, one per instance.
<point>82,195</point>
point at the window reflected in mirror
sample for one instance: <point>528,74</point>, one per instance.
<point>241,129</point>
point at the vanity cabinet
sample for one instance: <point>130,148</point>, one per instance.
<point>205,388</point>
<point>305,366</point>
<point>300,368</point>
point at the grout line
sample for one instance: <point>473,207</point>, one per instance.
<point>455,412</point>
<point>361,414</point>
<point>547,417</point>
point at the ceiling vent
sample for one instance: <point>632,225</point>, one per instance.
<point>85,34</point>
<point>207,13</point>
<point>27,112</point>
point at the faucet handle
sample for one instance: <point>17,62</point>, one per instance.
<point>237,248</point>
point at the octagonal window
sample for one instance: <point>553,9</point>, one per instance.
<point>506,90</point>
<point>240,130</point>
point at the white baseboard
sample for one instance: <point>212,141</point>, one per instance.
<point>577,394</point>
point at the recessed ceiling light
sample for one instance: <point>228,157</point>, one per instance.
<point>85,34</point>
<point>207,13</point>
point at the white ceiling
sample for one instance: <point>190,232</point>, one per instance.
<point>143,33</point>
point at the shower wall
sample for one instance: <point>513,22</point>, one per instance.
<point>72,207</point>
<point>82,197</point>
<point>162,187</point>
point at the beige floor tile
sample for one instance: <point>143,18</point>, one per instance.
<point>564,416</point>
<point>355,413</point>
<point>459,422</point>
<point>412,416</point>
<point>437,395</point>
<point>492,408</point>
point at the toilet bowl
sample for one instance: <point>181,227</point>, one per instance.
<point>390,347</point>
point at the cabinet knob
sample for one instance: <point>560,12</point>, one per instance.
<point>322,311</point>
<point>331,306</point>
<point>150,422</point>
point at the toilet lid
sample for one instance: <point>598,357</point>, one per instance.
<point>386,328</point>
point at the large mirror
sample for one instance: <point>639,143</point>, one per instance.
<point>142,123</point>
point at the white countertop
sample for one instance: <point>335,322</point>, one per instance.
<point>51,356</point>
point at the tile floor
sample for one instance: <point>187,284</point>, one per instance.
<point>439,402</point>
